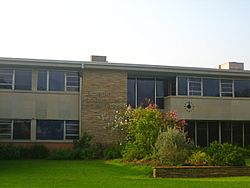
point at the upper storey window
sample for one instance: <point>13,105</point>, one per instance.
<point>226,88</point>
<point>58,81</point>
<point>211,87</point>
<point>15,79</point>
<point>6,78</point>
<point>242,88</point>
<point>23,79</point>
<point>194,86</point>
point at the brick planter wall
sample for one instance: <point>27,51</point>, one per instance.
<point>199,171</point>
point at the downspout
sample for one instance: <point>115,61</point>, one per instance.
<point>80,101</point>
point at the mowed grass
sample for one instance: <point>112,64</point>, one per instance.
<point>48,173</point>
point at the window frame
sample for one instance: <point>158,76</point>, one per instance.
<point>12,130</point>
<point>65,81</point>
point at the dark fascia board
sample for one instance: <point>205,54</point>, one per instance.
<point>160,69</point>
<point>40,63</point>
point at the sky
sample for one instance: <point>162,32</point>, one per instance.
<point>194,33</point>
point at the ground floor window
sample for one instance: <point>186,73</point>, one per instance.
<point>204,132</point>
<point>57,130</point>
<point>15,129</point>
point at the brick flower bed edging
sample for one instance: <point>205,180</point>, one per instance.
<point>200,171</point>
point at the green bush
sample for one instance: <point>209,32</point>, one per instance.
<point>38,151</point>
<point>113,152</point>
<point>143,129</point>
<point>9,152</point>
<point>225,154</point>
<point>172,147</point>
<point>62,154</point>
<point>199,158</point>
<point>83,148</point>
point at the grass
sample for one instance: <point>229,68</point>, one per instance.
<point>48,173</point>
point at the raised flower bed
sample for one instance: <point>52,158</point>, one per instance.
<point>200,171</point>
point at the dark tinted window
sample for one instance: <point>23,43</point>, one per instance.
<point>21,130</point>
<point>6,77</point>
<point>247,133</point>
<point>131,92</point>
<point>173,87</point>
<point>50,130</point>
<point>194,86</point>
<point>202,133</point>
<point>42,80</point>
<point>227,88</point>
<point>211,87</point>
<point>72,81</point>
<point>72,130</point>
<point>182,86</point>
<point>242,88</point>
<point>56,81</point>
<point>237,133</point>
<point>161,92</point>
<point>145,92</point>
<point>213,131</point>
<point>23,79</point>
<point>190,128</point>
<point>225,132</point>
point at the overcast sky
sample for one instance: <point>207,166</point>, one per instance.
<point>199,33</point>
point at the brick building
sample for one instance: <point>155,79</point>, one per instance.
<point>53,102</point>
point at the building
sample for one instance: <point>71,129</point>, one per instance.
<point>53,102</point>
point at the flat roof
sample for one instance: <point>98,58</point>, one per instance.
<point>156,69</point>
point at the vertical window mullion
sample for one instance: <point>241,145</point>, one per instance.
<point>207,135</point>
<point>188,86</point>
<point>136,93</point>
<point>65,81</point>
<point>47,89</point>
<point>219,131</point>
<point>13,79</point>
<point>64,130</point>
<point>243,134</point>
<point>195,133</point>
<point>201,86</point>
<point>155,90</point>
<point>176,85</point>
<point>220,87</point>
<point>232,88</point>
<point>12,129</point>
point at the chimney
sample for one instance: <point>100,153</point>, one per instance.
<point>232,66</point>
<point>98,58</point>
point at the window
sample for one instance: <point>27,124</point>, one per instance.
<point>72,81</point>
<point>242,88</point>
<point>182,86</point>
<point>131,92</point>
<point>202,133</point>
<point>211,87</point>
<point>225,132</point>
<point>247,133</point>
<point>161,92</point>
<point>194,85</point>
<point>50,130</point>
<point>56,81</point>
<point>57,129</point>
<point>23,79</point>
<point>15,129</point>
<point>145,92</point>
<point>6,78</point>
<point>213,131</point>
<point>42,80</point>
<point>226,88</point>
<point>72,130</point>
<point>21,130</point>
<point>237,129</point>
<point>5,129</point>
<point>190,128</point>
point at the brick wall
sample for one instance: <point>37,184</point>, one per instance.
<point>103,92</point>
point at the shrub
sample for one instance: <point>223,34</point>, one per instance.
<point>9,152</point>
<point>62,154</point>
<point>38,152</point>
<point>172,147</point>
<point>225,154</point>
<point>113,152</point>
<point>143,129</point>
<point>83,148</point>
<point>199,158</point>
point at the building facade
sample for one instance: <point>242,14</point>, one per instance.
<point>53,102</point>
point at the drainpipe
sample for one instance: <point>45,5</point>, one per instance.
<point>80,101</point>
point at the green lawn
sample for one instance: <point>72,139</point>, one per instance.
<point>46,173</point>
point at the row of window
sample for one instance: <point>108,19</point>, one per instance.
<point>189,86</point>
<point>45,130</point>
<point>205,132</point>
<point>51,80</point>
